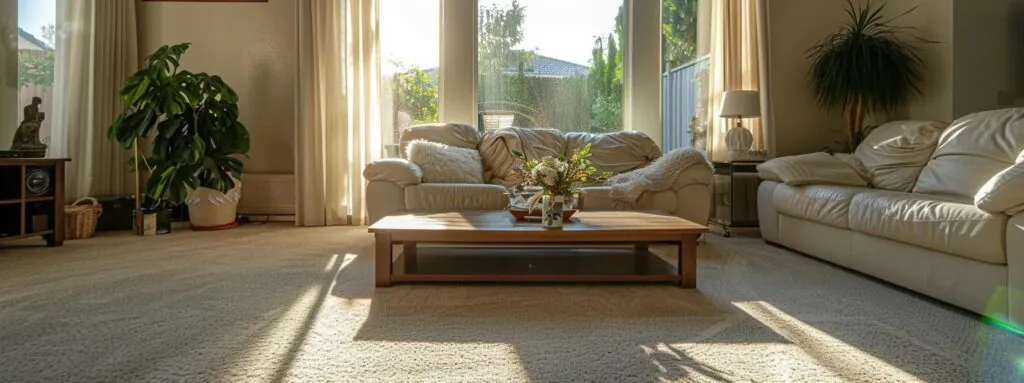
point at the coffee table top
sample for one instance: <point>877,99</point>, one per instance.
<point>500,226</point>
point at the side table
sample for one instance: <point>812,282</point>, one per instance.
<point>735,198</point>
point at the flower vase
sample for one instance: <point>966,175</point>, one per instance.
<point>551,211</point>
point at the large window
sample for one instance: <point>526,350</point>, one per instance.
<point>35,58</point>
<point>685,47</point>
<point>572,65</point>
<point>410,46</point>
<point>551,64</point>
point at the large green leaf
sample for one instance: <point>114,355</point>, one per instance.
<point>190,121</point>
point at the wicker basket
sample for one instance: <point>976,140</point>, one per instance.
<point>80,220</point>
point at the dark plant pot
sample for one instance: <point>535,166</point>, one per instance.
<point>154,221</point>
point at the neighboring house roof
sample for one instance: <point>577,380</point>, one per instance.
<point>544,66</point>
<point>26,41</point>
<point>540,66</point>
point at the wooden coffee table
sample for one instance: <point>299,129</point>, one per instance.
<point>490,246</point>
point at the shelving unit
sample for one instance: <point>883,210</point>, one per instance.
<point>23,214</point>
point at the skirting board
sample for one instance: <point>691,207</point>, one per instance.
<point>267,194</point>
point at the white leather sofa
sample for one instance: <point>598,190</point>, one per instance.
<point>957,235</point>
<point>396,184</point>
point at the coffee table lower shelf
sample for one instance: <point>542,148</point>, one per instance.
<point>634,264</point>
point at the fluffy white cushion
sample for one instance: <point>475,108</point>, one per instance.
<point>811,169</point>
<point>895,152</point>
<point>1004,192</point>
<point>446,164</point>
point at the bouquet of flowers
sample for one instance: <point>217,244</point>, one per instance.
<point>556,176</point>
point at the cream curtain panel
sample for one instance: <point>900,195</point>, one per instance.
<point>339,127</point>
<point>96,50</point>
<point>734,65</point>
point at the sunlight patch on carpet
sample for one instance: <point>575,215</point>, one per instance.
<point>823,349</point>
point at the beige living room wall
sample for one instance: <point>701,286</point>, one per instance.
<point>793,27</point>
<point>933,21</point>
<point>253,47</point>
<point>973,64</point>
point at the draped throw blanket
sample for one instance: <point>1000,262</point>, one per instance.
<point>661,174</point>
<point>616,152</point>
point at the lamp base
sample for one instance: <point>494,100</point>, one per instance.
<point>739,139</point>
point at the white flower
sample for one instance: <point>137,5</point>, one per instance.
<point>546,175</point>
<point>561,166</point>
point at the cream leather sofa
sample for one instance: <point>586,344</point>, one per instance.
<point>396,184</point>
<point>946,238</point>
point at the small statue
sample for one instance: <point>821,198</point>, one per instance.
<point>26,139</point>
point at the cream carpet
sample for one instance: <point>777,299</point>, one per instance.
<point>277,303</point>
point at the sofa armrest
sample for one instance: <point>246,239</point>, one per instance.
<point>698,174</point>
<point>1015,268</point>
<point>397,170</point>
<point>693,189</point>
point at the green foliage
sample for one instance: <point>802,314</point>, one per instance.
<point>557,176</point>
<point>416,94</point>
<point>679,27</point>
<point>500,31</point>
<point>191,121</point>
<point>869,65</point>
<point>36,67</point>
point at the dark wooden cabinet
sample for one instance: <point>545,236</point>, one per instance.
<point>735,197</point>
<point>32,199</point>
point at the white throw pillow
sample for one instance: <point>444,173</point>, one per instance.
<point>443,164</point>
<point>895,152</point>
<point>811,169</point>
<point>1004,192</point>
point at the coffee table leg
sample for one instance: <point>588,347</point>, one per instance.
<point>409,257</point>
<point>688,262</point>
<point>382,259</point>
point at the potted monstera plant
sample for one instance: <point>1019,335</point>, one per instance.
<point>190,122</point>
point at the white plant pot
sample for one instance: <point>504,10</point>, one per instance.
<point>209,209</point>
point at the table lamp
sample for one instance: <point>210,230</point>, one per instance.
<point>740,104</point>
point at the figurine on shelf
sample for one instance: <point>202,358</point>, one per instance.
<point>26,139</point>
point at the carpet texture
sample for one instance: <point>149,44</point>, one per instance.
<point>277,303</point>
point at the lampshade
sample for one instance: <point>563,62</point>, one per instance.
<point>741,104</point>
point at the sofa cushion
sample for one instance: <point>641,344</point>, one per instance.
<point>617,152</point>
<point>811,169</point>
<point>457,135</point>
<point>1004,193</point>
<point>455,197</point>
<point>941,223</point>
<point>496,148</point>
<point>894,153</point>
<point>441,163</point>
<point>825,204</point>
<point>600,198</point>
<point>972,150</point>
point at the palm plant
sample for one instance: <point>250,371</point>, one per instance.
<point>870,65</point>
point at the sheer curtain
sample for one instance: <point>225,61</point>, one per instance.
<point>734,65</point>
<point>339,124</point>
<point>96,51</point>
